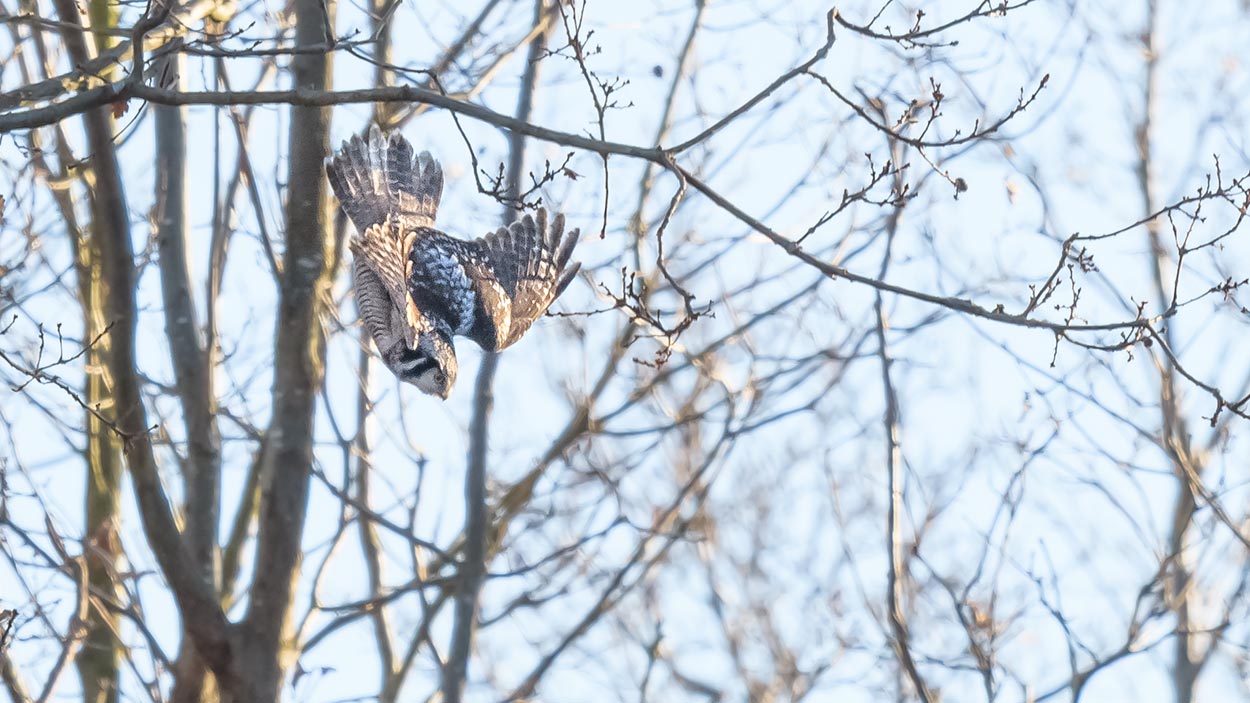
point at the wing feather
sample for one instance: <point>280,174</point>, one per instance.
<point>373,303</point>
<point>529,262</point>
<point>389,197</point>
<point>381,249</point>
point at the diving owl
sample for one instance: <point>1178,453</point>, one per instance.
<point>417,287</point>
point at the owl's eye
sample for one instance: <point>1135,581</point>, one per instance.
<point>440,377</point>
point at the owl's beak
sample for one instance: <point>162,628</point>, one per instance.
<point>446,393</point>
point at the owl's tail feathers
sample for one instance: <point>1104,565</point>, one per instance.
<point>378,177</point>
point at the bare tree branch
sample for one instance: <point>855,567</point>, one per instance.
<point>298,371</point>
<point>472,568</point>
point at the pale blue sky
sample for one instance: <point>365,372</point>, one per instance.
<point>966,402</point>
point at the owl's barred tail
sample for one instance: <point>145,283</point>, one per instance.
<point>378,177</point>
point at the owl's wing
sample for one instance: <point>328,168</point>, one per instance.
<point>379,178</point>
<point>373,304</point>
<point>527,264</point>
<point>389,197</point>
<point>385,269</point>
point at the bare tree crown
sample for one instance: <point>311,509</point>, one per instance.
<point>910,363</point>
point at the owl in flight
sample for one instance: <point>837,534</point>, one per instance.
<point>417,287</point>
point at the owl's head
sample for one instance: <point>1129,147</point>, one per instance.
<point>431,366</point>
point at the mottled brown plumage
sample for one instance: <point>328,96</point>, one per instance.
<point>417,287</point>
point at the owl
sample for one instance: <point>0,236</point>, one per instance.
<point>417,287</point>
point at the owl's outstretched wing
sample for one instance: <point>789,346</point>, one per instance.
<point>388,196</point>
<point>380,265</point>
<point>523,269</point>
